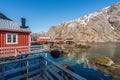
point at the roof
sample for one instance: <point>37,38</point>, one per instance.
<point>2,16</point>
<point>11,25</point>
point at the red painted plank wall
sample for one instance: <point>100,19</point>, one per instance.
<point>23,39</point>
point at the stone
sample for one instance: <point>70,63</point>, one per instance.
<point>104,61</point>
<point>107,66</point>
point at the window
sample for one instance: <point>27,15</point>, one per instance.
<point>11,38</point>
<point>8,38</point>
<point>14,38</point>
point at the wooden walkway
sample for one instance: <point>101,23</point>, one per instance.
<point>35,68</point>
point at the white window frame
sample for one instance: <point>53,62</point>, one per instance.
<point>11,38</point>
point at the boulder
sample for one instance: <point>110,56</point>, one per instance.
<point>107,66</point>
<point>104,61</point>
<point>114,70</point>
<point>82,45</point>
<point>55,53</point>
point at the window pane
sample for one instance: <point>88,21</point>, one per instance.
<point>14,38</point>
<point>8,38</point>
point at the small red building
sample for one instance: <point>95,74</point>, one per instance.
<point>58,40</point>
<point>43,39</point>
<point>69,40</point>
<point>15,35</point>
<point>33,39</point>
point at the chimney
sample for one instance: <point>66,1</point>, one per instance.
<point>23,21</point>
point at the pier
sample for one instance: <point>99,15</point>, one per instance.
<point>36,67</point>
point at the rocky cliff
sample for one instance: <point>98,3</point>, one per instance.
<point>100,26</point>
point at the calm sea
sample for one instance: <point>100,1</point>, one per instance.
<point>76,58</point>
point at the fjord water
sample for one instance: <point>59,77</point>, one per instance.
<point>111,50</point>
<point>76,59</point>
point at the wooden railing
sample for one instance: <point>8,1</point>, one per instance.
<point>14,51</point>
<point>30,67</point>
<point>9,50</point>
<point>64,73</point>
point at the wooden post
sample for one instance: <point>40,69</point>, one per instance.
<point>41,66</point>
<point>27,71</point>
<point>15,52</point>
<point>46,60</point>
<point>24,64</point>
<point>2,70</point>
<point>21,65</point>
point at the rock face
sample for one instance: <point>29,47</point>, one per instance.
<point>101,26</point>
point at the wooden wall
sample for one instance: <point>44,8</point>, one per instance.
<point>23,39</point>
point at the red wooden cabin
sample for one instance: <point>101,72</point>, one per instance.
<point>14,36</point>
<point>69,40</point>
<point>58,40</point>
<point>33,39</point>
<point>43,39</point>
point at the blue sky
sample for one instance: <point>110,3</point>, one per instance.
<point>41,14</point>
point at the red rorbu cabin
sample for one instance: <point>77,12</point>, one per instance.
<point>14,36</point>
<point>43,39</point>
<point>69,40</point>
<point>58,40</point>
<point>33,39</point>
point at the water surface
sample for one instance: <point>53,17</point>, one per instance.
<point>76,58</point>
<point>111,50</point>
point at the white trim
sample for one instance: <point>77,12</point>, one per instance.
<point>11,38</point>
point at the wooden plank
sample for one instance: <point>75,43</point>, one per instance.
<point>72,74</point>
<point>19,60</point>
<point>9,66</point>
<point>44,77</point>
<point>55,74</point>
<point>48,75</point>
<point>41,78</point>
<point>15,47</point>
<point>2,71</point>
<point>20,69</point>
<point>28,53</point>
<point>24,75</point>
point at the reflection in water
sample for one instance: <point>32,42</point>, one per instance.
<point>78,56</point>
<point>111,50</point>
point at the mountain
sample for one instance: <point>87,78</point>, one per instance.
<point>100,26</point>
<point>40,34</point>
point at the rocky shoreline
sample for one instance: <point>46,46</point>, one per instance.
<point>107,66</point>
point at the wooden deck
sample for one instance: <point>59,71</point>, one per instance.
<point>35,68</point>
